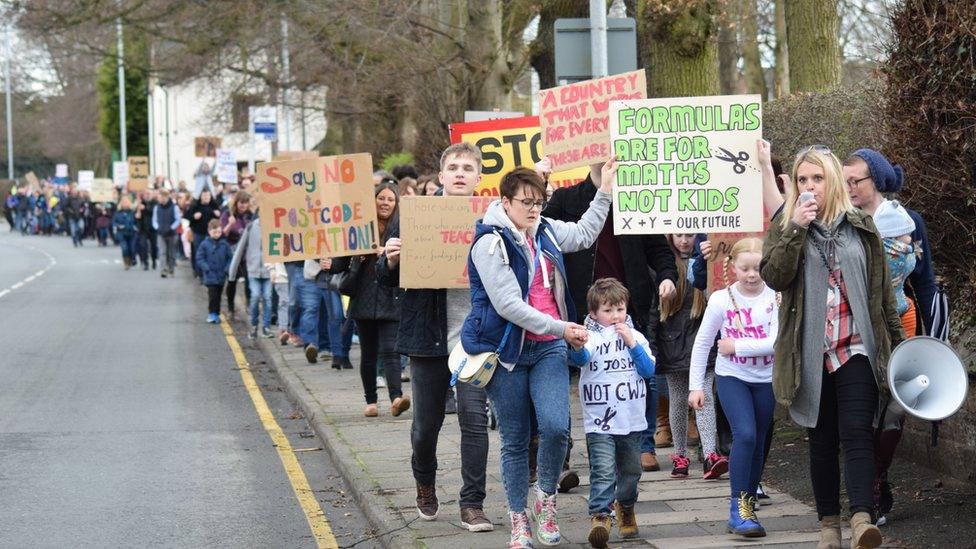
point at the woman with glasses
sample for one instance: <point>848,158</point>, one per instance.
<point>520,307</point>
<point>838,324</point>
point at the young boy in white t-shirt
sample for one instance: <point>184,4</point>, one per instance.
<point>614,363</point>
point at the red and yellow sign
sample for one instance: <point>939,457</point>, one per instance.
<point>507,144</point>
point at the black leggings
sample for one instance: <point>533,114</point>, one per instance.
<point>848,402</point>
<point>377,340</point>
<point>232,289</point>
<point>213,298</point>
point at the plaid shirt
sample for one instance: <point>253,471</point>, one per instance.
<point>841,337</point>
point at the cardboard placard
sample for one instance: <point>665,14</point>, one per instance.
<point>206,147</point>
<point>506,144</point>
<point>85,178</point>
<point>33,183</point>
<point>437,232</point>
<point>138,173</point>
<point>226,166</point>
<point>120,173</point>
<point>102,190</point>
<point>575,117</point>
<point>294,155</point>
<point>687,165</point>
<point>317,207</point>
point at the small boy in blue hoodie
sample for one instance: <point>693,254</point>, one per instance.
<point>213,259</point>
<point>614,363</point>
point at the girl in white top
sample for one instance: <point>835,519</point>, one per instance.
<point>745,314</point>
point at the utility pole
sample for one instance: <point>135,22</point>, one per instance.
<point>121,62</point>
<point>10,112</point>
<point>598,38</point>
<point>284,87</point>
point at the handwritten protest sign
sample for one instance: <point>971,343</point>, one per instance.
<point>138,173</point>
<point>437,232</point>
<point>687,165</point>
<point>120,173</point>
<point>505,145</point>
<point>294,155</point>
<point>61,171</point>
<point>206,146</point>
<point>317,207</point>
<point>226,166</point>
<point>575,117</point>
<point>85,178</point>
<point>102,190</point>
<point>33,183</point>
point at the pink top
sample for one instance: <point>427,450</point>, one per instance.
<point>540,293</point>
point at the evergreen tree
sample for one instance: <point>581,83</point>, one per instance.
<point>136,98</point>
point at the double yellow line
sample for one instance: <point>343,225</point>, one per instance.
<point>321,531</point>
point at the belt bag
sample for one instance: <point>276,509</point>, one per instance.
<point>475,369</point>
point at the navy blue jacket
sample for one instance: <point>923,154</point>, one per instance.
<point>213,259</point>
<point>124,222</point>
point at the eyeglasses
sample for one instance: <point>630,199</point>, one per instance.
<point>819,148</point>
<point>853,183</point>
<point>529,203</point>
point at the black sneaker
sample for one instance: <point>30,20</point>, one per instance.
<point>253,334</point>
<point>681,464</point>
<point>568,479</point>
<point>760,493</point>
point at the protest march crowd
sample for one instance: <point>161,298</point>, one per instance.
<point>808,318</point>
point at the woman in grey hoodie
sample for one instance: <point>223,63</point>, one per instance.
<point>520,307</point>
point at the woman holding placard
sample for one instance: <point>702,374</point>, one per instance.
<point>520,307</point>
<point>826,259</point>
<point>376,309</point>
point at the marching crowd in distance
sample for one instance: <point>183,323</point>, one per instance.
<point>556,295</point>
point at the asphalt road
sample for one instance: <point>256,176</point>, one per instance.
<point>124,421</point>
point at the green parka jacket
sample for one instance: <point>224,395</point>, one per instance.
<point>782,269</point>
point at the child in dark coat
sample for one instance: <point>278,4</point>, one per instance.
<point>213,259</point>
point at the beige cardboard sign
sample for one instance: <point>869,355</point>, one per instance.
<point>138,173</point>
<point>575,117</point>
<point>294,155</point>
<point>317,207</point>
<point>33,183</point>
<point>206,147</point>
<point>437,232</point>
<point>102,190</point>
<point>687,165</point>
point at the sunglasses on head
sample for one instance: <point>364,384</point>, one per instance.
<point>819,148</point>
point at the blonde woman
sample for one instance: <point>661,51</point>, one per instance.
<point>826,259</point>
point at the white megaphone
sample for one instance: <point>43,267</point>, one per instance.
<point>927,379</point>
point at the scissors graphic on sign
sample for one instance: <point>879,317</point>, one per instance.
<point>737,161</point>
<point>604,423</point>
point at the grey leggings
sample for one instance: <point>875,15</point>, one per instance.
<point>678,413</point>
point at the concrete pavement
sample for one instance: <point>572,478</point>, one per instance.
<point>374,455</point>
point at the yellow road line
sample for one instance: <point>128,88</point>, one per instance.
<point>321,531</point>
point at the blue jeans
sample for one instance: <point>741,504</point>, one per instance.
<point>539,380</point>
<point>260,296</point>
<point>650,414</point>
<point>77,228</point>
<point>332,330</point>
<point>294,270</point>
<point>615,470</point>
<point>309,300</point>
<point>127,241</point>
<point>749,408</point>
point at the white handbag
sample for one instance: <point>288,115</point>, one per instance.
<point>475,369</point>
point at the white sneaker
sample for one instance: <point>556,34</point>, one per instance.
<point>380,381</point>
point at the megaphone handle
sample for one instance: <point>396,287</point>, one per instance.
<point>935,432</point>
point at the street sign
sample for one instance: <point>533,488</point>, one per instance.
<point>264,122</point>
<point>573,49</point>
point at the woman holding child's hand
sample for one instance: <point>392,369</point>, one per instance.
<point>520,308</point>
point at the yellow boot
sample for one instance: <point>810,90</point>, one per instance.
<point>830,533</point>
<point>864,535</point>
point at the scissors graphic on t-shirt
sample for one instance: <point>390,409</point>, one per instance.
<point>604,424</point>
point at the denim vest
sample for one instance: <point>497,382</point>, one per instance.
<point>484,328</point>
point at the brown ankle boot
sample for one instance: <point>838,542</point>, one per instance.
<point>830,533</point>
<point>864,535</point>
<point>626,521</point>
<point>662,436</point>
<point>649,462</point>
